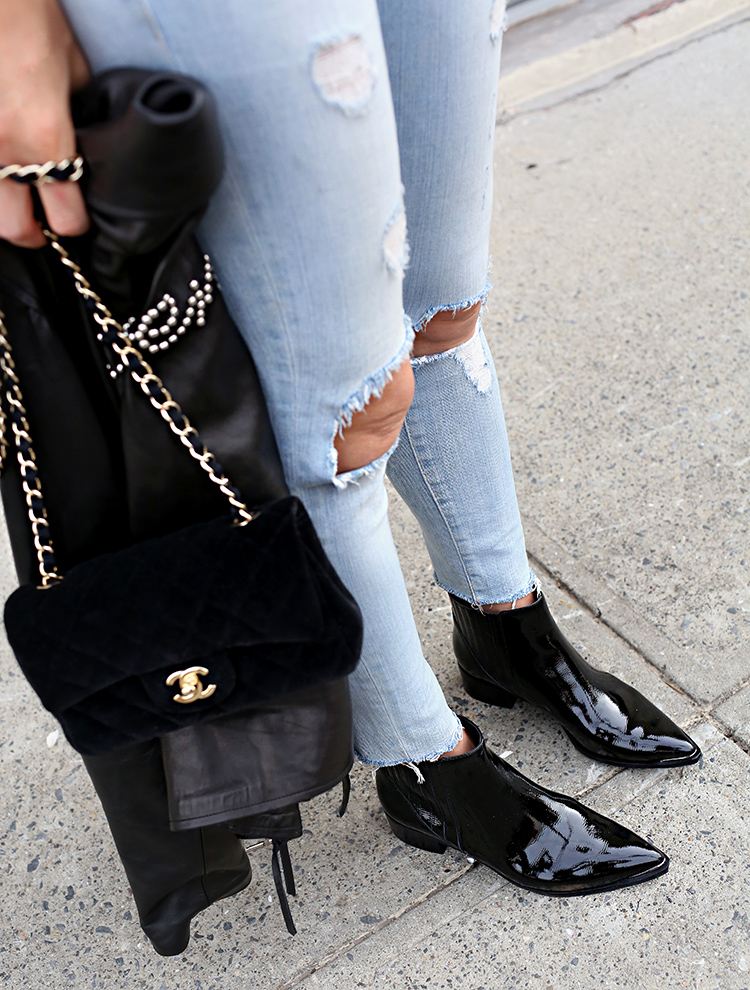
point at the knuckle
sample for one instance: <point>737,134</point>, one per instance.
<point>21,235</point>
<point>51,135</point>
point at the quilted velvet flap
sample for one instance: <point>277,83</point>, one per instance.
<point>168,603</point>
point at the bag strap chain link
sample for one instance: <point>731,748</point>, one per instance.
<point>112,333</point>
<point>152,386</point>
<point>67,170</point>
<point>32,487</point>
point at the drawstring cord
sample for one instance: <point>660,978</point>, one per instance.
<point>346,786</point>
<point>281,851</point>
<point>281,861</point>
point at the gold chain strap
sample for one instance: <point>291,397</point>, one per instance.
<point>30,482</point>
<point>67,170</point>
<point>144,376</point>
<point>152,386</point>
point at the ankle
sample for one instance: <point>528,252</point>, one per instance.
<point>464,745</point>
<point>507,606</point>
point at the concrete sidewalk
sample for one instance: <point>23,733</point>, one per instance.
<point>619,321</point>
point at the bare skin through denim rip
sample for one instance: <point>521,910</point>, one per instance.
<point>355,436</point>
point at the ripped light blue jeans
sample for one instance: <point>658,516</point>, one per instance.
<point>344,121</point>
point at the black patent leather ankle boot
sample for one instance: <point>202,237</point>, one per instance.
<point>533,837</point>
<point>521,653</point>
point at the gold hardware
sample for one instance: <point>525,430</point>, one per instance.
<point>191,686</point>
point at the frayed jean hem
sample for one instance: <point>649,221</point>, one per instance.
<point>432,756</point>
<point>478,600</point>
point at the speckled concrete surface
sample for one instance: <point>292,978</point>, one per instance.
<point>734,716</point>
<point>623,356</point>
<point>621,313</point>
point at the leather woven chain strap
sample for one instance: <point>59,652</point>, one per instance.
<point>32,488</point>
<point>112,333</point>
<point>152,386</point>
<point>68,170</point>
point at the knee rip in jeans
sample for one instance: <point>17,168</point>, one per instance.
<point>367,429</point>
<point>343,72</point>
<point>455,333</point>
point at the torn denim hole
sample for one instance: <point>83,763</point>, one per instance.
<point>471,356</point>
<point>498,21</point>
<point>372,388</point>
<point>343,72</point>
<point>354,477</point>
<point>395,244</point>
<point>455,307</point>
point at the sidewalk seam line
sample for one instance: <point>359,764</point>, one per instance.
<point>544,76</point>
<point>333,956</point>
<point>506,115</point>
<point>621,634</point>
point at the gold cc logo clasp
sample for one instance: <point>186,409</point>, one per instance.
<point>191,686</point>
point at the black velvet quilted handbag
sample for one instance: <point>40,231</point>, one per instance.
<point>206,621</point>
<point>166,614</point>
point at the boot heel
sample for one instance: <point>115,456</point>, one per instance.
<point>485,691</point>
<point>413,838</point>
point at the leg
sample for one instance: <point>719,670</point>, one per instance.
<point>307,235</point>
<point>452,466</point>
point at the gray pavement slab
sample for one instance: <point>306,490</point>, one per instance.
<point>586,47</point>
<point>734,716</point>
<point>564,28</point>
<point>622,333</point>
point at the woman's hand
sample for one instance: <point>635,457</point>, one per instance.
<point>40,64</point>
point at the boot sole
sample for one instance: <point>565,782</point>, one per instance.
<point>431,843</point>
<point>664,763</point>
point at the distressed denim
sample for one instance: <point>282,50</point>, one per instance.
<point>343,120</point>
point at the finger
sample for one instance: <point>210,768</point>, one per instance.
<point>64,208</point>
<point>17,223</point>
<point>80,71</point>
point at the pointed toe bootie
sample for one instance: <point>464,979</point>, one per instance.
<point>542,841</point>
<point>521,653</point>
